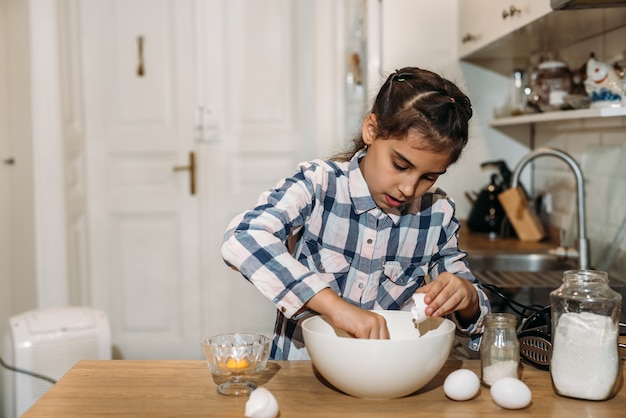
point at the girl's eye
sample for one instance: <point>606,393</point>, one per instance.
<point>430,178</point>
<point>399,167</point>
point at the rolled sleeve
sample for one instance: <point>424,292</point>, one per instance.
<point>485,307</point>
<point>255,245</point>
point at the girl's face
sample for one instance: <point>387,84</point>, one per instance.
<point>398,171</point>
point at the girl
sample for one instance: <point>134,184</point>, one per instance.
<point>364,230</point>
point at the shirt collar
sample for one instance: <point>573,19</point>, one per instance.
<point>360,196</point>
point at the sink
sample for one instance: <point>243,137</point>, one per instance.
<point>520,262</point>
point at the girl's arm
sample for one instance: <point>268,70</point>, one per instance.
<point>356,321</point>
<point>255,241</point>
<point>454,288</point>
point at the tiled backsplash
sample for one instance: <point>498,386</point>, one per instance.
<point>600,149</point>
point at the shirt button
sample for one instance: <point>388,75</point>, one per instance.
<point>361,285</point>
<point>369,241</point>
<point>283,309</point>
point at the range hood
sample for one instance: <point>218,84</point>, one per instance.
<point>585,4</point>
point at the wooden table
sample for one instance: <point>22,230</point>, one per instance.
<point>127,388</point>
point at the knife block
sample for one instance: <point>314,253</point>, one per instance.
<point>527,225</point>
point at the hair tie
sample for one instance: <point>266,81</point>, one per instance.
<point>396,77</point>
<point>452,100</point>
<point>401,76</point>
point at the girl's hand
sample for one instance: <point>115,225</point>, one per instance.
<point>360,323</point>
<point>357,322</point>
<point>449,293</point>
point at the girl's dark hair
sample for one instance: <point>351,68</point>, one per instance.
<point>412,98</point>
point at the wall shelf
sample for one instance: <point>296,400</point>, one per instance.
<point>599,112</point>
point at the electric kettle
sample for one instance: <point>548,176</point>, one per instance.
<point>487,214</point>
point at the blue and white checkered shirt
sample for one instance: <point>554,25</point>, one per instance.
<point>372,259</point>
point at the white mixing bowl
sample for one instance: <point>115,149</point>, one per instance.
<point>380,369</point>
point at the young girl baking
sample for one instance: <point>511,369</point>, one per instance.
<point>364,230</point>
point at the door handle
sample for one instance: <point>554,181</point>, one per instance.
<point>192,171</point>
<point>140,65</point>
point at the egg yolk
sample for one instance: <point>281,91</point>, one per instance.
<point>237,363</point>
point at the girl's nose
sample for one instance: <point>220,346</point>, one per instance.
<point>408,188</point>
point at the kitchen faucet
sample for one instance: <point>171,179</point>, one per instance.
<point>583,244</point>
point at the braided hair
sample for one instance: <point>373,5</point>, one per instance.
<point>413,98</point>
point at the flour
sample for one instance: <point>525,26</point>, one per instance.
<point>585,360</point>
<point>498,370</point>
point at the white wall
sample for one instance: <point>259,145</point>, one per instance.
<point>425,34</point>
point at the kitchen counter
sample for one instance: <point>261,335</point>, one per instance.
<point>128,388</point>
<point>476,242</point>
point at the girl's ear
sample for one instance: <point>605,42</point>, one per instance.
<point>369,129</point>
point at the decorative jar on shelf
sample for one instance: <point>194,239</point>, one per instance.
<point>551,85</point>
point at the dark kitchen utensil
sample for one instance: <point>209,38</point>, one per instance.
<point>535,339</point>
<point>535,348</point>
<point>487,213</point>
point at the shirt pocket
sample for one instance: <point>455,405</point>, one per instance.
<point>323,259</point>
<point>332,266</point>
<point>403,274</point>
<point>329,261</point>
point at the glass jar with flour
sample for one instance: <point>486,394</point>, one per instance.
<point>499,348</point>
<point>585,361</point>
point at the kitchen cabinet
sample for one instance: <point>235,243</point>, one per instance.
<point>489,40</point>
<point>482,22</point>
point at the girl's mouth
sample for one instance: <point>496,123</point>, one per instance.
<point>394,203</point>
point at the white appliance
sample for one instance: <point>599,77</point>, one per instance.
<point>48,342</point>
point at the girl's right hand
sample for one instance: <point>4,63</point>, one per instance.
<point>357,322</point>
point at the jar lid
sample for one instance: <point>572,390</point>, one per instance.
<point>499,320</point>
<point>551,65</point>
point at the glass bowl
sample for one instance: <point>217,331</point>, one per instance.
<point>236,355</point>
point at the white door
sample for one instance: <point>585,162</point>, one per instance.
<point>155,262</point>
<point>250,76</point>
<point>138,70</point>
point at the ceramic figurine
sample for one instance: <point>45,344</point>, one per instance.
<point>603,84</point>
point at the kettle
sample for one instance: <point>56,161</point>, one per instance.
<point>487,214</point>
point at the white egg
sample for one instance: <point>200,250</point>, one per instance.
<point>461,385</point>
<point>261,404</point>
<point>511,393</point>
<point>418,310</point>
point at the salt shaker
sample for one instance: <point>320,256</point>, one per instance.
<point>585,361</point>
<point>499,348</point>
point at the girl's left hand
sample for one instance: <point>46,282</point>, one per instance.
<point>449,293</point>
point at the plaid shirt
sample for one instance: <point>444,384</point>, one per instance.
<point>372,259</point>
